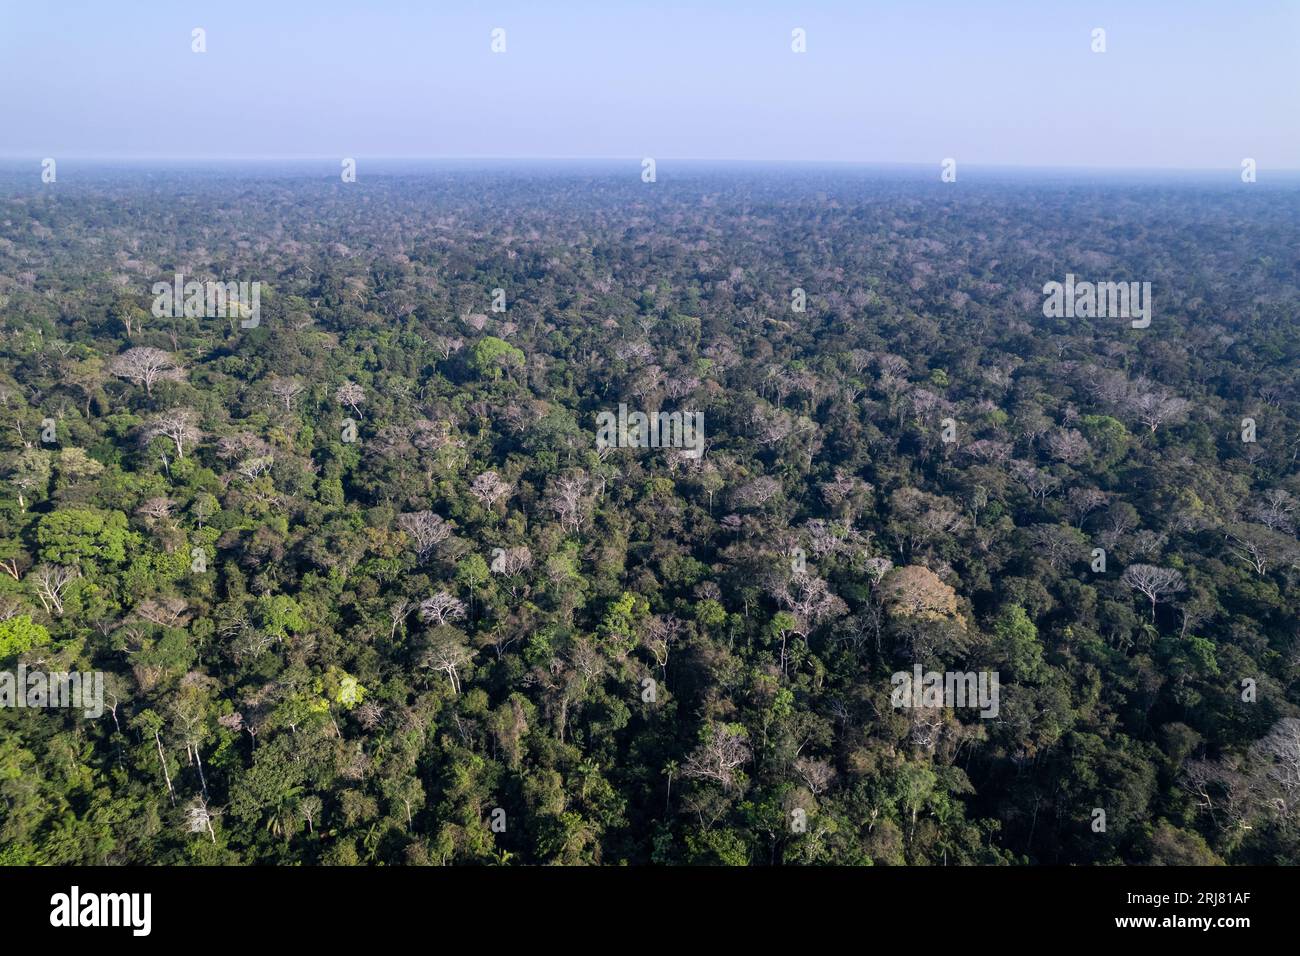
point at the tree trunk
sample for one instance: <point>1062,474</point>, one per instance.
<point>163,760</point>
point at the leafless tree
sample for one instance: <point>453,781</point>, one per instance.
<point>1148,544</point>
<point>1158,584</point>
<point>1153,406</point>
<point>447,346</point>
<point>1084,501</point>
<point>1276,509</point>
<point>490,488</point>
<point>10,606</point>
<point>811,601</point>
<point>858,360</point>
<point>678,387</point>
<point>448,655</point>
<point>1261,547</point>
<point>1120,519</point>
<point>352,395</point>
<point>253,468</point>
<point>1199,778</point>
<point>846,494</point>
<point>156,509</point>
<point>722,752</point>
<point>1068,445</point>
<point>888,363</point>
<point>1038,482</point>
<point>988,451</point>
<point>723,355</point>
<point>396,615</point>
<point>512,561</point>
<point>164,611</point>
<point>567,500</point>
<point>661,632</point>
<point>241,445</point>
<point>442,608</point>
<point>823,537</point>
<point>178,425</point>
<point>817,775</point>
<point>757,492</point>
<point>1277,754</point>
<point>369,714</point>
<point>426,529</point>
<point>770,425</point>
<point>311,808</point>
<point>199,819</point>
<point>145,366</point>
<point>287,391</point>
<point>919,518</point>
<point>1059,544</point>
<point>877,568</point>
<point>50,582</point>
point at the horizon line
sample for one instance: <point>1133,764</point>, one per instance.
<point>8,157</point>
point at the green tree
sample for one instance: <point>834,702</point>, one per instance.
<point>19,635</point>
<point>492,355</point>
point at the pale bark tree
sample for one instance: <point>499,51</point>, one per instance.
<point>179,425</point>
<point>253,468</point>
<point>512,561</point>
<point>876,568</point>
<point>1153,406</point>
<point>396,615</point>
<point>311,808</point>
<point>660,633</point>
<point>426,529</point>
<point>1277,755</point>
<point>29,471</point>
<point>352,395</point>
<point>199,819</point>
<point>1083,501</point>
<point>448,655</point>
<point>442,608</point>
<point>1061,545</point>
<point>817,775</point>
<point>50,582</point>
<point>568,502</point>
<point>720,754</point>
<point>145,366</point>
<point>164,611</point>
<point>1068,445</point>
<point>1158,584</point>
<point>1276,509</point>
<point>811,602</point>
<point>1261,547</point>
<point>1037,482</point>
<point>1148,544</point>
<point>988,452</point>
<point>287,390</point>
<point>757,492</point>
<point>490,487</point>
<point>156,509</point>
<point>846,494</point>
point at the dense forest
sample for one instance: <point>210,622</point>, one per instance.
<point>365,588</point>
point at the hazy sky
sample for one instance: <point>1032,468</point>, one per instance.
<point>1191,84</point>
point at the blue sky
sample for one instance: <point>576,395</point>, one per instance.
<point>1191,84</point>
